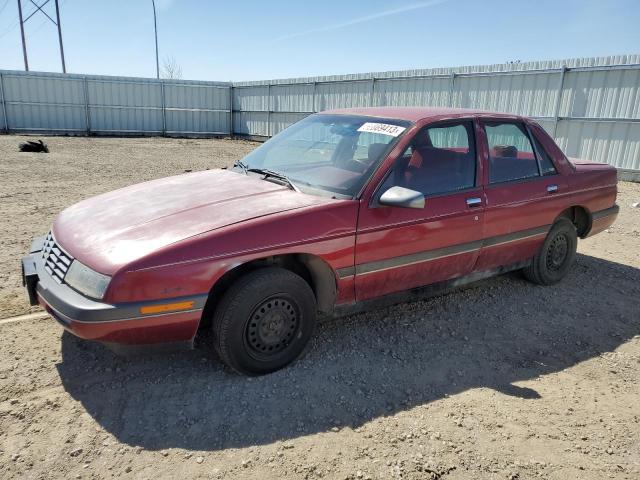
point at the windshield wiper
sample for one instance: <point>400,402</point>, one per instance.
<point>267,173</point>
<point>270,174</point>
<point>242,165</point>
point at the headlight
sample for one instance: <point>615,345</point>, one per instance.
<point>85,280</point>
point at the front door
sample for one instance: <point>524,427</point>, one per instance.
<point>399,248</point>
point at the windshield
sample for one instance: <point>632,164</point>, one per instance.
<point>330,153</point>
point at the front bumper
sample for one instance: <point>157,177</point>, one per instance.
<point>120,324</point>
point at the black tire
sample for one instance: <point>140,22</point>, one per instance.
<point>556,256</point>
<point>264,321</point>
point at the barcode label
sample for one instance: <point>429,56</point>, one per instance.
<point>383,128</point>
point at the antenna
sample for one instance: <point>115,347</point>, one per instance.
<point>56,23</point>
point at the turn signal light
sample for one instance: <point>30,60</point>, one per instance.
<point>166,307</point>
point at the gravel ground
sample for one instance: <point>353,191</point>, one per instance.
<point>501,380</point>
<point>35,187</point>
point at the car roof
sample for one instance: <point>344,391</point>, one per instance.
<point>414,114</point>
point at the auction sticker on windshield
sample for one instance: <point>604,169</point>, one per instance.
<point>383,128</point>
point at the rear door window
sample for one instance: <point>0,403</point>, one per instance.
<point>511,154</point>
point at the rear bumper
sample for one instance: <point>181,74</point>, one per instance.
<point>120,324</point>
<point>603,219</point>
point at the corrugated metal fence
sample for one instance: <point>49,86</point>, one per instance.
<point>73,104</point>
<point>591,106</point>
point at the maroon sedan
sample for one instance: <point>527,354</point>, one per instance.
<point>343,210</point>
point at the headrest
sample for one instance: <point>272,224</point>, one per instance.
<point>422,140</point>
<point>375,151</point>
<point>506,151</point>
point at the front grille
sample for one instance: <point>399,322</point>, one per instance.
<point>56,260</point>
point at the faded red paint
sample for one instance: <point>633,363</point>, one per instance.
<point>180,327</point>
<point>178,236</point>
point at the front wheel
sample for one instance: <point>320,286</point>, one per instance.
<point>264,321</point>
<point>556,255</point>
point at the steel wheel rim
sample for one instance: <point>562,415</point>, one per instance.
<point>272,326</point>
<point>557,252</point>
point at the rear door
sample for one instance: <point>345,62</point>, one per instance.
<point>401,248</point>
<point>523,193</point>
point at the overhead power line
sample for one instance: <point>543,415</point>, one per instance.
<point>4,5</point>
<point>8,30</point>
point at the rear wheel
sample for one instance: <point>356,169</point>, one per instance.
<point>556,255</point>
<point>264,321</point>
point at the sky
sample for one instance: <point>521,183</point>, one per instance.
<point>256,40</point>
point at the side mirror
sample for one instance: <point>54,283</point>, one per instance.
<point>402,197</point>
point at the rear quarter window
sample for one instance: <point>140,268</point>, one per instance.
<point>546,164</point>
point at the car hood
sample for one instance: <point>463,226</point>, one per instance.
<point>109,231</point>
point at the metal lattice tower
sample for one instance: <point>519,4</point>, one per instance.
<point>56,22</point>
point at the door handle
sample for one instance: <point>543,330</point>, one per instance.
<point>474,202</point>
<point>552,188</point>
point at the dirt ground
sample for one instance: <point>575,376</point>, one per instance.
<point>502,380</point>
